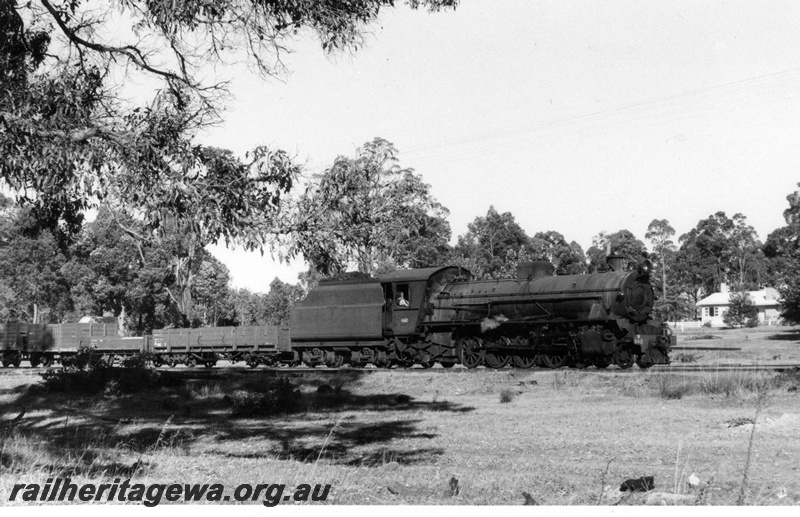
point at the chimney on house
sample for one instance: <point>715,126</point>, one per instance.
<point>723,287</point>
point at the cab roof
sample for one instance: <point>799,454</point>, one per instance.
<point>419,275</point>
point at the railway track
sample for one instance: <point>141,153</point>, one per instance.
<point>222,371</point>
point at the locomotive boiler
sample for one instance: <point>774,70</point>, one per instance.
<point>595,319</point>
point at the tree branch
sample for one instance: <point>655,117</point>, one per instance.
<point>77,135</point>
<point>132,52</point>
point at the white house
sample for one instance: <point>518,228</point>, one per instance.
<point>713,307</point>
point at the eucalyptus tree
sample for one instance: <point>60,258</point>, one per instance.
<point>568,258</point>
<point>365,211</point>
<point>659,233</point>
<point>782,250</point>
<point>621,242</point>
<point>493,245</point>
<point>72,137</point>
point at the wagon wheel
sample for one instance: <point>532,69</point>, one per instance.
<point>16,361</point>
<point>469,351</point>
<point>381,361</point>
<point>496,359</point>
<point>553,360</point>
<point>427,364</point>
<point>336,362</point>
<point>190,362</point>
<point>47,360</point>
<point>252,361</point>
<point>368,355</point>
<point>6,363</point>
<point>523,361</point>
<point>447,364</point>
<point>35,359</point>
<point>623,358</point>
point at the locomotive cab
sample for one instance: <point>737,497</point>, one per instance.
<point>407,294</point>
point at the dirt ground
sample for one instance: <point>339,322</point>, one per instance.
<point>563,437</point>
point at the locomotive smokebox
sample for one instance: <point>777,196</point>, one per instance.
<point>615,262</point>
<point>535,269</point>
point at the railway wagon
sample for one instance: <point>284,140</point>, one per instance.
<point>24,341</point>
<point>255,345</point>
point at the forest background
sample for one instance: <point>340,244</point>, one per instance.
<point>112,201</point>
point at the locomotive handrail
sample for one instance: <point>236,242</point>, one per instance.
<point>505,298</point>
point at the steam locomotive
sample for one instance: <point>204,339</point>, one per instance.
<point>418,316</point>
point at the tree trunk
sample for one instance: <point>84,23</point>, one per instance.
<point>121,323</point>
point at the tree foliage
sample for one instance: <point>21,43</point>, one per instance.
<point>493,245</point>
<point>622,242</point>
<point>72,138</point>
<point>782,251</point>
<point>366,212</point>
<point>726,249</point>
<point>568,259</point>
<point>741,311</point>
<point>272,308</point>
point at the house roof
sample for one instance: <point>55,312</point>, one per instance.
<point>765,297</point>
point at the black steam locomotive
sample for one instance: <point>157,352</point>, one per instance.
<point>419,316</point>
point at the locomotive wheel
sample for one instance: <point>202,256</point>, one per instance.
<point>553,360</point>
<point>496,359</point>
<point>623,358</point>
<point>524,361</point>
<point>601,363</point>
<point>427,364</point>
<point>447,364</point>
<point>469,352</point>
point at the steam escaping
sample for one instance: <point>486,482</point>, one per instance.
<point>492,323</point>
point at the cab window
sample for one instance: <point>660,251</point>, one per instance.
<point>402,295</point>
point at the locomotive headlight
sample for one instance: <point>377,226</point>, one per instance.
<point>645,267</point>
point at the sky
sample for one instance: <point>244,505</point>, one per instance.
<point>575,116</point>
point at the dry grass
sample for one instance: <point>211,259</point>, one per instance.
<point>399,437</point>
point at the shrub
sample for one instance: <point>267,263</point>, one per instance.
<point>742,311</point>
<point>707,324</point>
<point>507,396</point>
<point>279,398</point>
<point>672,389</point>
<point>735,383</point>
<point>685,358</point>
<point>87,373</point>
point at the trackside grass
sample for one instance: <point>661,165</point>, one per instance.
<point>563,437</point>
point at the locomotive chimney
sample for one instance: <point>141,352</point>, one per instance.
<point>535,269</point>
<point>615,262</point>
